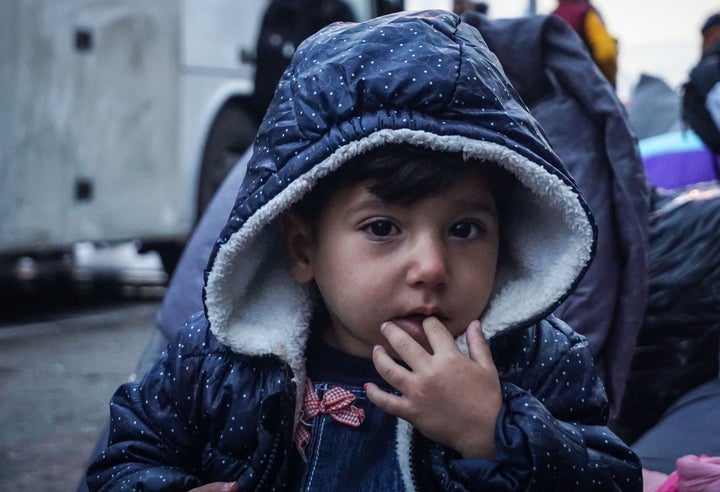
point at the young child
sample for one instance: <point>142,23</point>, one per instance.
<point>378,307</point>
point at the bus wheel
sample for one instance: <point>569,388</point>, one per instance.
<point>231,134</point>
<point>169,255</point>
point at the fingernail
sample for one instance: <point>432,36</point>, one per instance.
<point>365,387</point>
<point>383,326</point>
<point>229,485</point>
<point>376,348</point>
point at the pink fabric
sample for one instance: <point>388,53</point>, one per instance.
<point>671,484</point>
<point>652,480</point>
<point>698,473</point>
<point>693,474</point>
<point>336,402</point>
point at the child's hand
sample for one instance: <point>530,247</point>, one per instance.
<point>453,400</point>
<point>217,487</point>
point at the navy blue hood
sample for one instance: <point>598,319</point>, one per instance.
<point>424,79</point>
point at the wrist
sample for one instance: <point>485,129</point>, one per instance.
<point>476,450</point>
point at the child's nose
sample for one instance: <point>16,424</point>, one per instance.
<point>428,263</point>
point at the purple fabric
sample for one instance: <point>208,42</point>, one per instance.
<point>673,170</point>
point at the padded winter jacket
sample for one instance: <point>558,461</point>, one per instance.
<point>587,127</point>
<point>205,413</point>
<point>223,401</point>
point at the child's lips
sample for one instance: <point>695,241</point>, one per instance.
<point>412,324</point>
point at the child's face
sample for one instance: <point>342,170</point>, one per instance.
<point>375,261</point>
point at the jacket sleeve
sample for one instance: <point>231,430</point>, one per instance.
<point>712,104</point>
<point>695,111</point>
<point>153,430</point>
<point>183,425</point>
<point>551,432</point>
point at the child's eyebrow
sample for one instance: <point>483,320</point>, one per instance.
<point>369,201</point>
<point>372,201</point>
<point>488,206</point>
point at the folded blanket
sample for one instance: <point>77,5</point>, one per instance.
<point>652,480</point>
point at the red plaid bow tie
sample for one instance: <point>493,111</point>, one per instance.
<point>336,402</point>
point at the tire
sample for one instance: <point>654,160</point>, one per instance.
<point>231,134</point>
<point>169,255</point>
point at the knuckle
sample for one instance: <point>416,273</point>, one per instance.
<point>404,346</point>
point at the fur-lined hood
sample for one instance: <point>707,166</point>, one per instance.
<point>424,79</point>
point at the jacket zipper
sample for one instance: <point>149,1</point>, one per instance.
<point>263,484</point>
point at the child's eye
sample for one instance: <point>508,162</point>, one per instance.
<point>466,230</point>
<point>381,228</point>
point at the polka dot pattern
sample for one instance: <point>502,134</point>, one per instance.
<point>347,82</point>
<point>204,413</point>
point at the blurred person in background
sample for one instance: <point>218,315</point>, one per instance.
<point>461,7</point>
<point>470,12</point>
<point>588,23</point>
<point>285,25</point>
<point>701,93</point>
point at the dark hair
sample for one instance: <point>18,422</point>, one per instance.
<point>401,173</point>
<point>712,21</point>
<point>482,7</point>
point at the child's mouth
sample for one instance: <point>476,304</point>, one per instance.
<point>412,324</point>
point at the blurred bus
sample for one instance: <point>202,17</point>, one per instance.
<point>119,118</point>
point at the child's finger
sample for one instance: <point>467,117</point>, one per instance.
<point>392,404</point>
<point>439,337</point>
<point>478,347</point>
<point>404,345</point>
<point>217,487</point>
<point>392,372</point>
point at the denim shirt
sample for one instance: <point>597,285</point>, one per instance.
<point>341,457</point>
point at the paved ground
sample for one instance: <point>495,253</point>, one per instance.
<point>56,378</point>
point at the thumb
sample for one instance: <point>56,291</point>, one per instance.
<point>478,348</point>
<point>217,487</point>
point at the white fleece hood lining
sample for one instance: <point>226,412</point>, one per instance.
<point>255,307</point>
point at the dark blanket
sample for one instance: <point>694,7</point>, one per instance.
<point>677,348</point>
